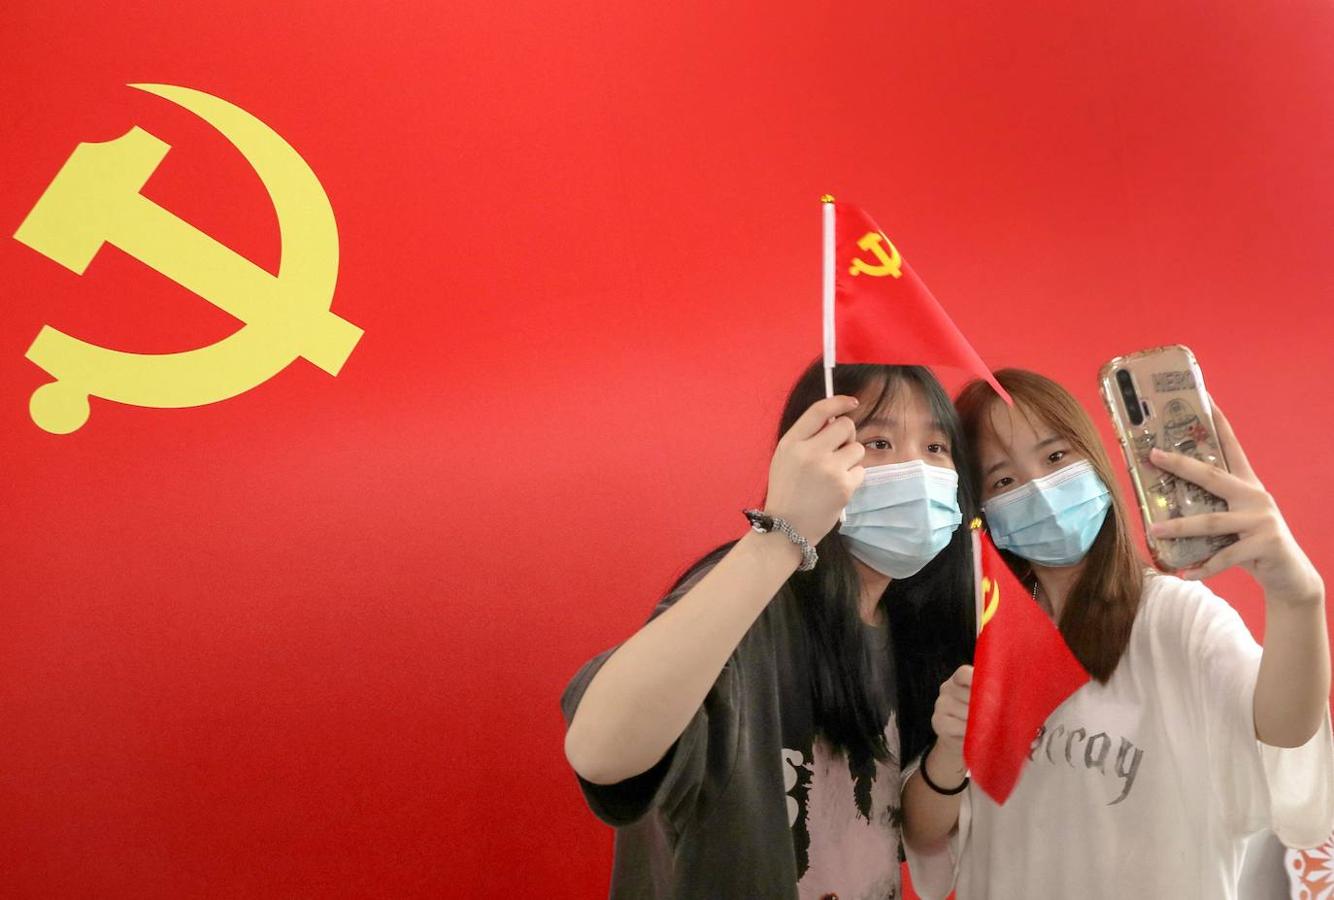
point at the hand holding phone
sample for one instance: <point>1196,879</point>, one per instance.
<point>1262,543</point>
<point>1157,401</point>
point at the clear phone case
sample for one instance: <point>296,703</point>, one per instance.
<point>1157,399</point>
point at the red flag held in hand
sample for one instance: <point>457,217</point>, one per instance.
<point>1022,671</point>
<point>883,313</point>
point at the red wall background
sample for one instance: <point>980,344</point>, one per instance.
<point>309,641</point>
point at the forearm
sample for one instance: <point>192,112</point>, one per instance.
<point>1292,690</point>
<point>930,817</point>
<point>645,694</point>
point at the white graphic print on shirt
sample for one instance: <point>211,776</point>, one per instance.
<point>845,828</point>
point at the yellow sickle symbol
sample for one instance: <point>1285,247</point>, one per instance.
<point>890,263</point>
<point>94,199</point>
<point>991,596</point>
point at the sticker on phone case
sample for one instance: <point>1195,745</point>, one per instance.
<point>1170,382</point>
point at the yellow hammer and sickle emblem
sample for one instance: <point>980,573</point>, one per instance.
<point>95,199</point>
<point>890,263</point>
<point>990,598</point>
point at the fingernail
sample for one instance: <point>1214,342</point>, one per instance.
<point>856,402</point>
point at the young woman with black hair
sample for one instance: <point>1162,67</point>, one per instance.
<point>1147,780</point>
<point>746,742</point>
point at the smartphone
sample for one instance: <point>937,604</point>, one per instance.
<point>1157,399</point>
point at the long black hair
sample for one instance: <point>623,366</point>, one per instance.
<point>931,614</point>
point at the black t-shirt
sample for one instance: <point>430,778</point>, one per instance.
<point>748,802</point>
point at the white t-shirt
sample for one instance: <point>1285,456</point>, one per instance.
<point>1147,786</point>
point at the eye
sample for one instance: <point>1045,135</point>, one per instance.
<point>1003,482</point>
<point>878,444</point>
<point>1056,456</point>
<point>937,447</point>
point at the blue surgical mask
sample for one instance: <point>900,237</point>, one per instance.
<point>1052,520</point>
<point>902,516</point>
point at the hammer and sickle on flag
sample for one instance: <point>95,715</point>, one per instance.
<point>991,597</point>
<point>95,199</point>
<point>890,263</point>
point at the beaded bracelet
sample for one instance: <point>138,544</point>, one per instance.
<point>764,523</point>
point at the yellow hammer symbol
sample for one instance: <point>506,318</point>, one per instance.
<point>991,599</point>
<point>95,199</point>
<point>890,263</point>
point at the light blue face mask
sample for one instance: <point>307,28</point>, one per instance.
<point>902,516</point>
<point>1052,520</point>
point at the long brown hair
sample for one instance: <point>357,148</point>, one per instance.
<point>1100,611</point>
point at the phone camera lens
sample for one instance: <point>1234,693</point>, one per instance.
<point>1134,409</point>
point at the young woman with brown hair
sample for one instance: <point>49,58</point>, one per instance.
<point>1188,738</point>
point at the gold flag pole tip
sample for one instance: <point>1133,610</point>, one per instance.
<point>827,198</point>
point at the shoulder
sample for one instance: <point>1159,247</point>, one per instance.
<point>1167,597</point>
<point>1186,613</point>
<point>691,576</point>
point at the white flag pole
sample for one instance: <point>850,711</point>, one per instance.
<point>979,598</point>
<point>827,202</point>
